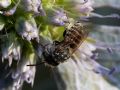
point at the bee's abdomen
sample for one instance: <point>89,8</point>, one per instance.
<point>74,36</point>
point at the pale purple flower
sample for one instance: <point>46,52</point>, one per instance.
<point>84,8</point>
<point>24,72</point>
<point>22,76</point>
<point>34,6</point>
<point>59,17</point>
<point>11,50</point>
<point>27,28</point>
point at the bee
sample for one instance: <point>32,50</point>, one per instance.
<point>59,52</point>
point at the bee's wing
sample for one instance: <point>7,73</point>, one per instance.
<point>84,36</point>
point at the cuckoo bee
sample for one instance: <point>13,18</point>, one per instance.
<point>59,52</point>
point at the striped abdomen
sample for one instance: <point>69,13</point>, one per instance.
<point>74,36</point>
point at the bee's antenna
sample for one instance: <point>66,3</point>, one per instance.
<point>36,64</point>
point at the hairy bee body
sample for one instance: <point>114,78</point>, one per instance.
<point>53,56</point>
<point>59,52</point>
